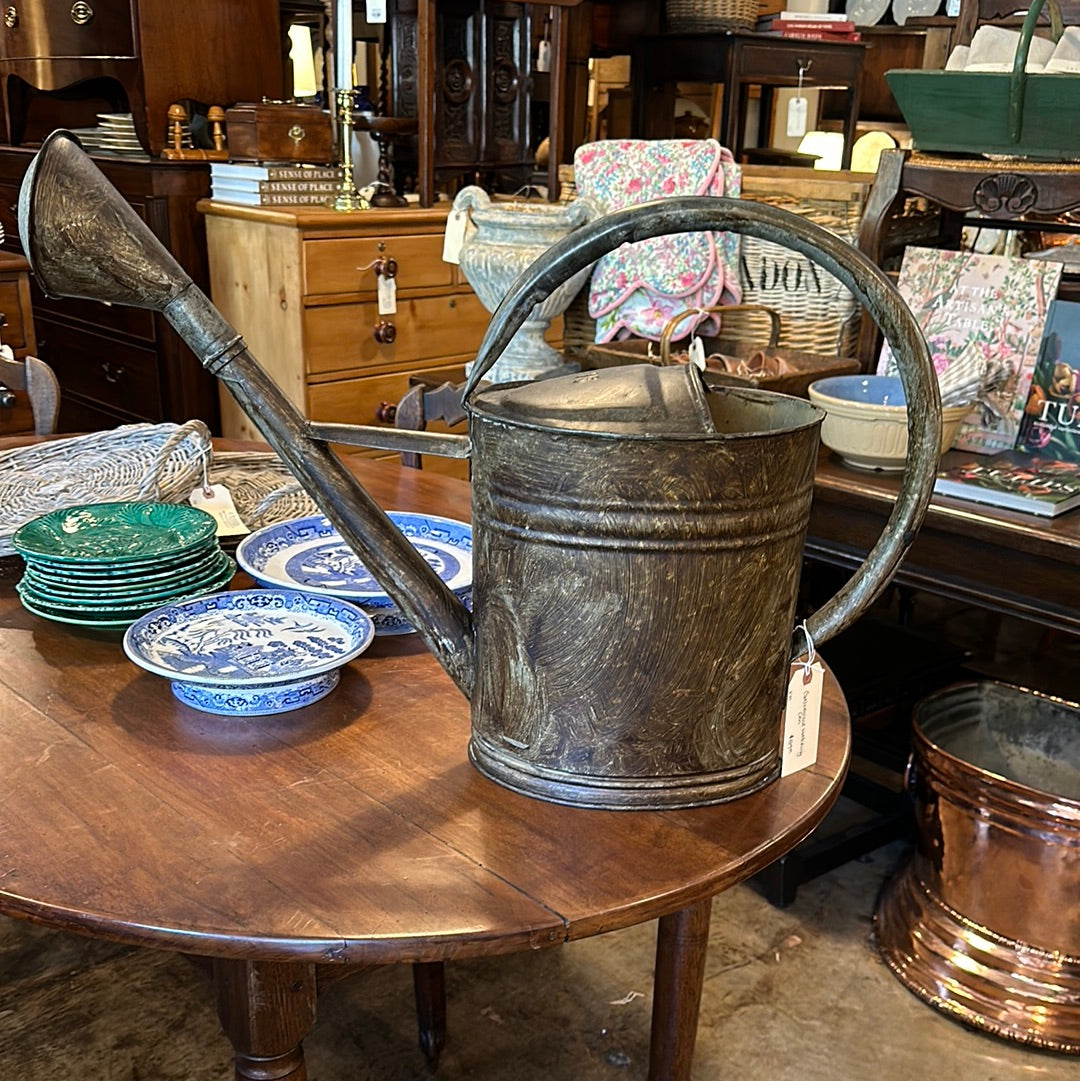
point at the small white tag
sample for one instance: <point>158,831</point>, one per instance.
<point>218,501</point>
<point>376,11</point>
<point>697,352</point>
<point>454,237</point>
<point>802,718</point>
<point>796,116</point>
<point>387,290</point>
<point>543,56</point>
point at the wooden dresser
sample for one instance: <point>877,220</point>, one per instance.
<point>16,312</point>
<point>300,284</point>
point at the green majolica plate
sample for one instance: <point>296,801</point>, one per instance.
<point>45,578</point>
<point>114,533</point>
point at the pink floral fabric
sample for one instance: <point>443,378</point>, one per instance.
<point>638,289</point>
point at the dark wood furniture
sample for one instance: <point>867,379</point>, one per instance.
<point>352,832</point>
<point>739,61</point>
<point>1004,561</point>
<point>61,63</point>
<point>124,365</point>
<point>16,309</point>
<point>1018,195</point>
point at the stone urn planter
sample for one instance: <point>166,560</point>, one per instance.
<point>508,237</point>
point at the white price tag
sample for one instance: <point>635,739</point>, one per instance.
<point>376,11</point>
<point>543,56</point>
<point>802,718</point>
<point>697,352</point>
<point>387,291</point>
<point>796,116</point>
<point>456,223</point>
<point>216,500</point>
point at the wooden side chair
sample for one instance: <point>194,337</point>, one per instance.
<point>29,396</point>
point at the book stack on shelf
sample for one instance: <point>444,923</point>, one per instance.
<point>810,26</point>
<point>1041,474</point>
<point>274,185</point>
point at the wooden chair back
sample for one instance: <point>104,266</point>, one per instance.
<point>29,396</point>
<point>428,401</point>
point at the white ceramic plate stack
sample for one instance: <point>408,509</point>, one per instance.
<point>116,133</point>
<point>309,554</point>
<point>250,652</point>
<point>104,565</point>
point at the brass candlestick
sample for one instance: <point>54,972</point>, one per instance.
<point>348,198</point>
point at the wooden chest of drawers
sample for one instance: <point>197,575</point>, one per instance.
<point>300,284</point>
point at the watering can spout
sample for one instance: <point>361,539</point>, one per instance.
<point>84,240</point>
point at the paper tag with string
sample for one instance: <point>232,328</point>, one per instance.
<point>217,501</point>
<point>375,11</point>
<point>797,109</point>
<point>386,290</point>
<point>802,716</point>
<point>457,222</point>
<point>697,352</point>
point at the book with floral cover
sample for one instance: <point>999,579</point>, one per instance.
<point>1016,481</point>
<point>983,318</point>
<point>1050,425</point>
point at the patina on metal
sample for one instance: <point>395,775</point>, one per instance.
<point>984,921</point>
<point>638,531</point>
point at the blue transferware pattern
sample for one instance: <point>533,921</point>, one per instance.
<point>249,637</point>
<point>257,701</point>
<point>309,554</point>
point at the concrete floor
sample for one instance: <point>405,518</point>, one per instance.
<point>790,995</point>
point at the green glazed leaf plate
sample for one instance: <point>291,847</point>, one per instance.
<point>115,533</point>
<point>75,586</point>
<point>88,571</point>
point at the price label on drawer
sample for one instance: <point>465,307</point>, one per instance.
<point>376,11</point>
<point>387,292</point>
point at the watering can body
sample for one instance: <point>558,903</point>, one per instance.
<point>638,532</point>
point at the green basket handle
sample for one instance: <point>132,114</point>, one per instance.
<point>1018,78</point>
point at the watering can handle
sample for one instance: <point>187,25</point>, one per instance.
<point>866,281</point>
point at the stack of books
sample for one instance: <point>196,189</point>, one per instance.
<point>810,26</point>
<point>274,185</point>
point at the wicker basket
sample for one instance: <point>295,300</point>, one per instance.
<point>697,15</point>
<point>819,314</point>
<point>160,462</point>
<point>263,489</point>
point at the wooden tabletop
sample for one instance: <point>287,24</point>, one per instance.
<point>353,830</point>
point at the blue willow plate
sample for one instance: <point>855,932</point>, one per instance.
<point>114,532</point>
<point>257,701</point>
<point>249,637</point>
<point>309,554</point>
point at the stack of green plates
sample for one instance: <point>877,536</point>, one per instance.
<point>107,564</point>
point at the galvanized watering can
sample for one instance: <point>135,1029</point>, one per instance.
<point>637,531</point>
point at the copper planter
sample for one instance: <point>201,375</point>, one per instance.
<point>984,922</point>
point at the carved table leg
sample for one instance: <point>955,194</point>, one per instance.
<point>429,982</point>
<point>681,943</point>
<point>266,1010</point>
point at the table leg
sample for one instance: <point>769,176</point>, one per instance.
<point>681,943</point>
<point>429,983</point>
<point>266,1010</point>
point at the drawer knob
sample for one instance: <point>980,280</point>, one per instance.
<point>385,332</point>
<point>297,133</point>
<point>112,373</point>
<point>386,266</point>
<point>81,13</point>
<point>7,397</point>
<point>11,17</point>
<point>386,412</point>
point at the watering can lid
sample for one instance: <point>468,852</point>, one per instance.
<point>632,398</point>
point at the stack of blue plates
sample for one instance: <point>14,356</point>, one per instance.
<point>107,564</point>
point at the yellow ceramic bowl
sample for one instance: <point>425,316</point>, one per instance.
<point>866,420</point>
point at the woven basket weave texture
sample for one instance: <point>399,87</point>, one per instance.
<point>159,462</point>
<point>699,15</point>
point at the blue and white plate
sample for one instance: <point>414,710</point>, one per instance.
<point>249,642</point>
<point>309,554</point>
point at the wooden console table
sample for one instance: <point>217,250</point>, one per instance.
<point>1006,561</point>
<point>739,61</point>
<point>351,832</point>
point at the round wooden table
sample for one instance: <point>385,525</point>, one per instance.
<point>351,832</point>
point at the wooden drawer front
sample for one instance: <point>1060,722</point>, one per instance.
<point>359,401</point>
<point>119,376</point>
<point>340,337</point>
<point>48,28</point>
<point>14,333</point>
<point>346,265</point>
<point>831,65</point>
